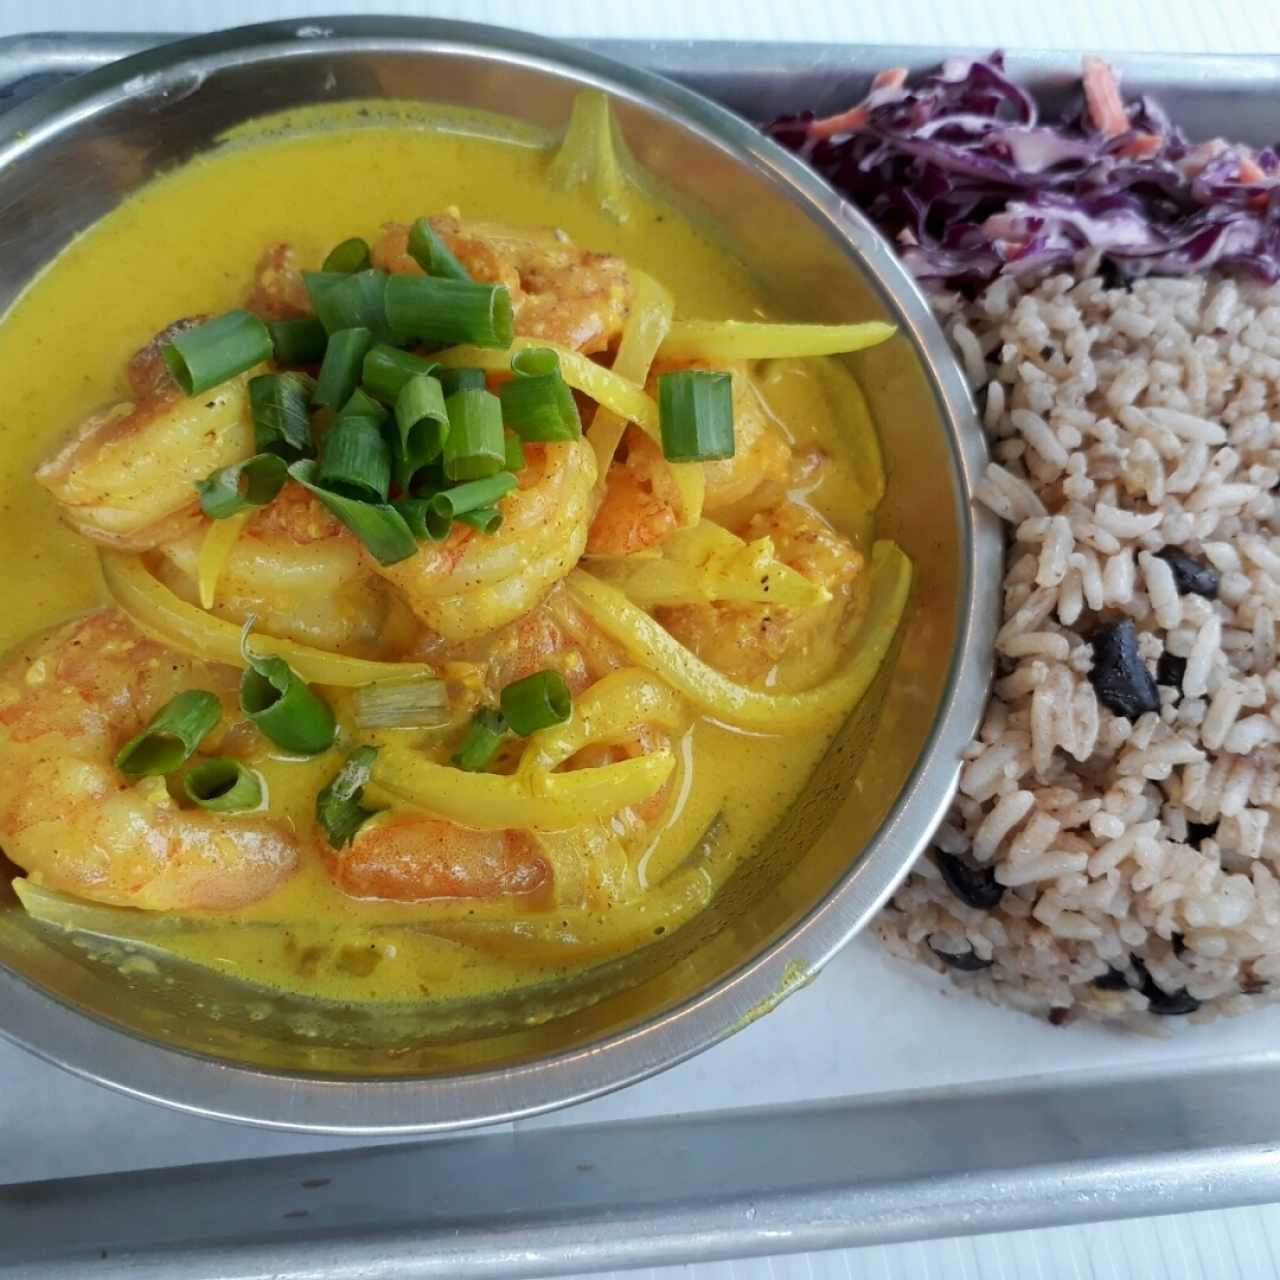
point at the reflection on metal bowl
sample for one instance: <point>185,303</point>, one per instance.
<point>194,1040</point>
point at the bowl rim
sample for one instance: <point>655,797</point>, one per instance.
<point>97,1050</point>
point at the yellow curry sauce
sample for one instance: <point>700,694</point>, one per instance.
<point>187,244</point>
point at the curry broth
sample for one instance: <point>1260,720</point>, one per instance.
<point>187,244</point>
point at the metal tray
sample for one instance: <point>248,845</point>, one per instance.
<point>968,1119</point>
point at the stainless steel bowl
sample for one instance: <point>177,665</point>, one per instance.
<point>186,1038</point>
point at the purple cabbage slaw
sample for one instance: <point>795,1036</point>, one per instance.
<point>963,175</point>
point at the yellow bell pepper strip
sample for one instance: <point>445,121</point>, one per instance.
<point>724,340</point>
<point>651,646</point>
<point>171,620</point>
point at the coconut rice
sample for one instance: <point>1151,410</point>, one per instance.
<point>1095,863</point>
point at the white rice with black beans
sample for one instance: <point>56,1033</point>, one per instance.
<point>1115,845</point>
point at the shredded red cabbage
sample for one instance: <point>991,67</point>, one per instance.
<point>967,180</point>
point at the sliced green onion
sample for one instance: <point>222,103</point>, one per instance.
<point>277,699</point>
<point>350,255</point>
<point>299,341</point>
<point>695,414</point>
<point>421,427</point>
<point>360,404</point>
<point>251,483</point>
<point>281,423</point>
<point>535,362</point>
<point>474,447</point>
<point>464,378</point>
<point>417,514</point>
<point>515,459</point>
<point>432,254</point>
<point>441,313</point>
<point>172,735</point>
<point>356,461</point>
<point>340,372</point>
<point>338,808</point>
<point>219,349</point>
<point>355,301</point>
<point>422,703</point>
<point>379,526</point>
<point>472,496</point>
<point>537,702</point>
<point>481,741</point>
<point>540,406</point>
<point>486,519</point>
<point>386,370</point>
<point>223,785</point>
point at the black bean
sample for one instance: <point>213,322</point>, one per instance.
<point>974,886</point>
<point>1120,677</point>
<point>1168,1004</point>
<point>1170,669</point>
<point>1046,352</point>
<point>1112,980</point>
<point>1198,831</point>
<point>1190,574</point>
<point>1058,1017</point>
<point>966,961</point>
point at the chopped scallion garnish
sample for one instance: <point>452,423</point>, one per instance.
<point>386,370</point>
<point>537,702</point>
<point>340,372</point>
<point>695,414</point>
<point>475,495</point>
<point>475,446</point>
<point>432,254</point>
<point>537,402</point>
<point>351,255</point>
<point>338,809</point>
<point>217,350</point>
<point>417,514</point>
<point>251,483</point>
<point>379,526</point>
<point>485,519</point>
<point>281,423</point>
<point>422,703</point>
<point>355,301</point>
<point>440,312</point>
<point>356,461</point>
<point>223,785</point>
<point>465,378</point>
<point>515,459</point>
<point>282,704</point>
<point>481,742</point>
<point>360,404</point>
<point>171,736</point>
<point>298,341</point>
<point>422,424</point>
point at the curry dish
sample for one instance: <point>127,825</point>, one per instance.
<point>429,569</point>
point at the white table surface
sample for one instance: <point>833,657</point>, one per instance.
<point>54,1125</point>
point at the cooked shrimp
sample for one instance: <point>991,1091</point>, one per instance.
<point>639,508</point>
<point>127,477</point>
<point>761,453</point>
<point>279,292</point>
<point>746,641</point>
<point>559,292</point>
<point>301,572</point>
<point>473,582</point>
<point>410,857</point>
<point>68,702</point>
